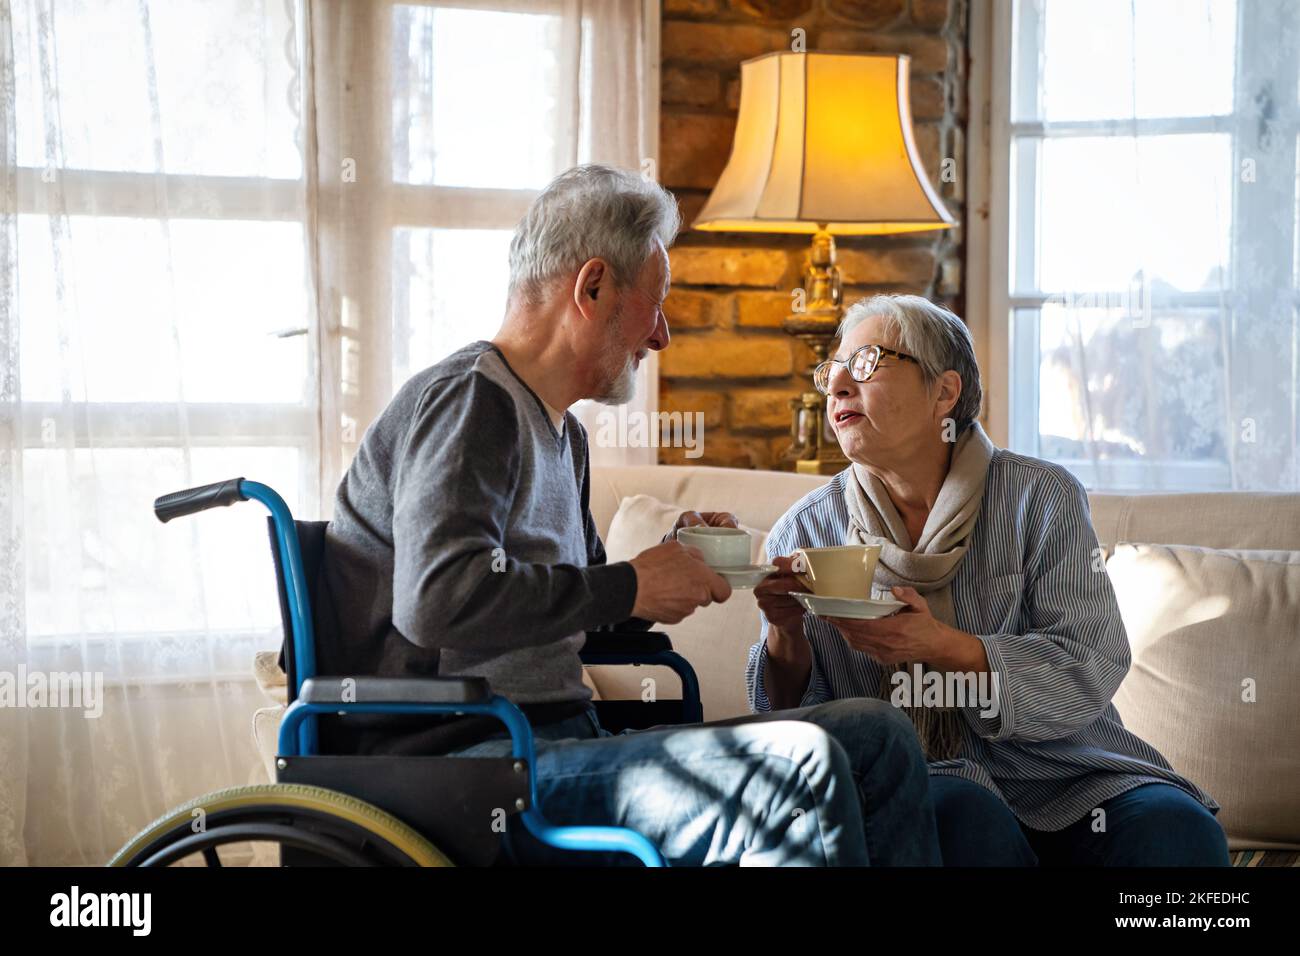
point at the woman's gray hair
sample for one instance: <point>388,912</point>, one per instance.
<point>591,212</point>
<point>935,337</point>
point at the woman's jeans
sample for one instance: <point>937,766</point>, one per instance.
<point>838,784</point>
<point>1155,824</point>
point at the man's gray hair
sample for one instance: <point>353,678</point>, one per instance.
<point>932,335</point>
<point>591,212</point>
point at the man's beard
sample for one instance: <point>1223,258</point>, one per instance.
<point>618,374</point>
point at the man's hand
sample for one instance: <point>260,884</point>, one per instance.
<point>672,580</point>
<point>697,519</point>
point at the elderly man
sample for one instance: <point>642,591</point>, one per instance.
<point>994,556</point>
<point>462,544</point>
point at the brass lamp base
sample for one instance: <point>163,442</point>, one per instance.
<point>820,466</point>
<point>813,449</point>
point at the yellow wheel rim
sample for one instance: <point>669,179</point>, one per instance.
<point>294,796</point>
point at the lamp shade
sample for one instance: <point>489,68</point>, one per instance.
<point>824,140</point>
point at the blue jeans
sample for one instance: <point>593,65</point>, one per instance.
<point>839,784</point>
<point>1155,824</point>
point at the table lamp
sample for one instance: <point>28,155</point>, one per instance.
<point>823,146</point>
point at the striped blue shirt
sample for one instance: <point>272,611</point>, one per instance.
<point>1033,589</point>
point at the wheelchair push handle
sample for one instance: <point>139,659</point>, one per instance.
<point>192,500</point>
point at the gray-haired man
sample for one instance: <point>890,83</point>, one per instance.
<point>462,544</point>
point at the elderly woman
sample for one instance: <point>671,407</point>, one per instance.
<point>996,561</point>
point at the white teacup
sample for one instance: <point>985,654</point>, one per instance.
<point>721,547</point>
<point>844,572</point>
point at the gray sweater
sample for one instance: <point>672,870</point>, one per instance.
<point>462,544</point>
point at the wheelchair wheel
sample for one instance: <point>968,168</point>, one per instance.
<point>334,826</point>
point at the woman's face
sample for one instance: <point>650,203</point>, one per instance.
<point>883,420</point>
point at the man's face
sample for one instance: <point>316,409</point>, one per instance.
<point>637,325</point>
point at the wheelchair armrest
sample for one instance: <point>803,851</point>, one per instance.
<point>395,690</point>
<point>626,642</point>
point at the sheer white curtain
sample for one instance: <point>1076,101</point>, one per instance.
<point>228,231</point>
<point>153,247</point>
<point>1155,337</point>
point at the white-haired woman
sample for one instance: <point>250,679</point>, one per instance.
<point>994,555</point>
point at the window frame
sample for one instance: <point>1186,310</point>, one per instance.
<point>134,195</point>
<point>349,363</point>
<point>1002,308</point>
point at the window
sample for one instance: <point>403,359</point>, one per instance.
<point>160,281</point>
<point>239,229</point>
<point>1146,318</point>
<point>478,129</point>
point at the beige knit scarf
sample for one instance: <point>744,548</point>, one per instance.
<point>929,565</point>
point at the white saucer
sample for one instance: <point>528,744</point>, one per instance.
<point>859,609</point>
<point>746,576</point>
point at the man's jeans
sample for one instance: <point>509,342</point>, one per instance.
<point>839,784</point>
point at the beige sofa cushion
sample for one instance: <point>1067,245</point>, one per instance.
<point>714,639</point>
<point>642,520</point>
<point>757,498</point>
<point>270,679</point>
<point>1212,519</point>
<point>1205,626</point>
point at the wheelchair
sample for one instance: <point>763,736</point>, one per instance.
<point>387,810</point>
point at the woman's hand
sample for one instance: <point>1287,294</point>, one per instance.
<point>782,611</point>
<point>914,634</point>
<point>789,655</point>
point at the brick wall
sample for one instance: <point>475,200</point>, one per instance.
<point>729,358</point>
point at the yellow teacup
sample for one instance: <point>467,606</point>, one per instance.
<point>844,572</point>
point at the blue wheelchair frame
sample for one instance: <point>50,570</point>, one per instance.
<point>299,731</point>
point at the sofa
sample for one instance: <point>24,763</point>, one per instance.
<point>1209,588</point>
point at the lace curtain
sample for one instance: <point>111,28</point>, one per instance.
<point>1153,273</point>
<point>228,231</point>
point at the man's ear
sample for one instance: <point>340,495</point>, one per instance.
<point>592,278</point>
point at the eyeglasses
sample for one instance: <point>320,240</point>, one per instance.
<point>862,364</point>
